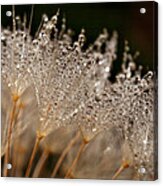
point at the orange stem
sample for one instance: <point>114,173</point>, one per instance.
<point>64,153</point>
<point>35,148</point>
<point>120,170</point>
<point>7,154</point>
<point>68,174</point>
<point>40,164</point>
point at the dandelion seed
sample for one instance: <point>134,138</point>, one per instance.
<point>72,88</point>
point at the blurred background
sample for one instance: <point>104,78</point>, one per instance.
<point>125,17</point>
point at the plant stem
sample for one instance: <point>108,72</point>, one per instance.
<point>119,171</point>
<point>81,148</point>
<point>40,164</point>
<point>14,158</point>
<point>15,145</point>
<point>9,133</point>
<point>64,153</point>
<point>35,148</point>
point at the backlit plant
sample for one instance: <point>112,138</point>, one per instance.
<point>52,84</point>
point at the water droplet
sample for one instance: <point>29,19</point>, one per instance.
<point>145,142</point>
<point>76,110</point>
<point>41,119</point>
<point>101,62</point>
<point>97,83</point>
<point>17,66</point>
<point>107,150</point>
<point>3,38</point>
<point>45,18</point>
<point>94,130</point>
<point>107,69</point>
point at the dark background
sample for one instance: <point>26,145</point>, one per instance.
<point>139,29</point>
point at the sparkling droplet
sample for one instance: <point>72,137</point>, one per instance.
<point>3,38</point>
<point>97,83</point>
<point>107,150</point>
<point>94,130</point>
<point>101,62</point>
<point>76,110</point>
<point>41,119</point>
<point>107,69</point>
<point>17,66</point>
<point>145,142</point>
<point>45,17</point>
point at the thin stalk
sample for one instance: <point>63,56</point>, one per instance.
<point>74,163</point>
<point>13,18</point>
<point>14,158</point>
<point>120,170</point>
<point>17,161</point>
<point>31,18</point>
<point>15,144</point>
<point>40,164</point>
<point>20,161</point>
<point>39,28</point>
<point>35,148</point>
<point>9,133</point>
<point>64,153</point>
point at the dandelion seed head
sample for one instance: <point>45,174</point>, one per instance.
<point>72,88</point>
